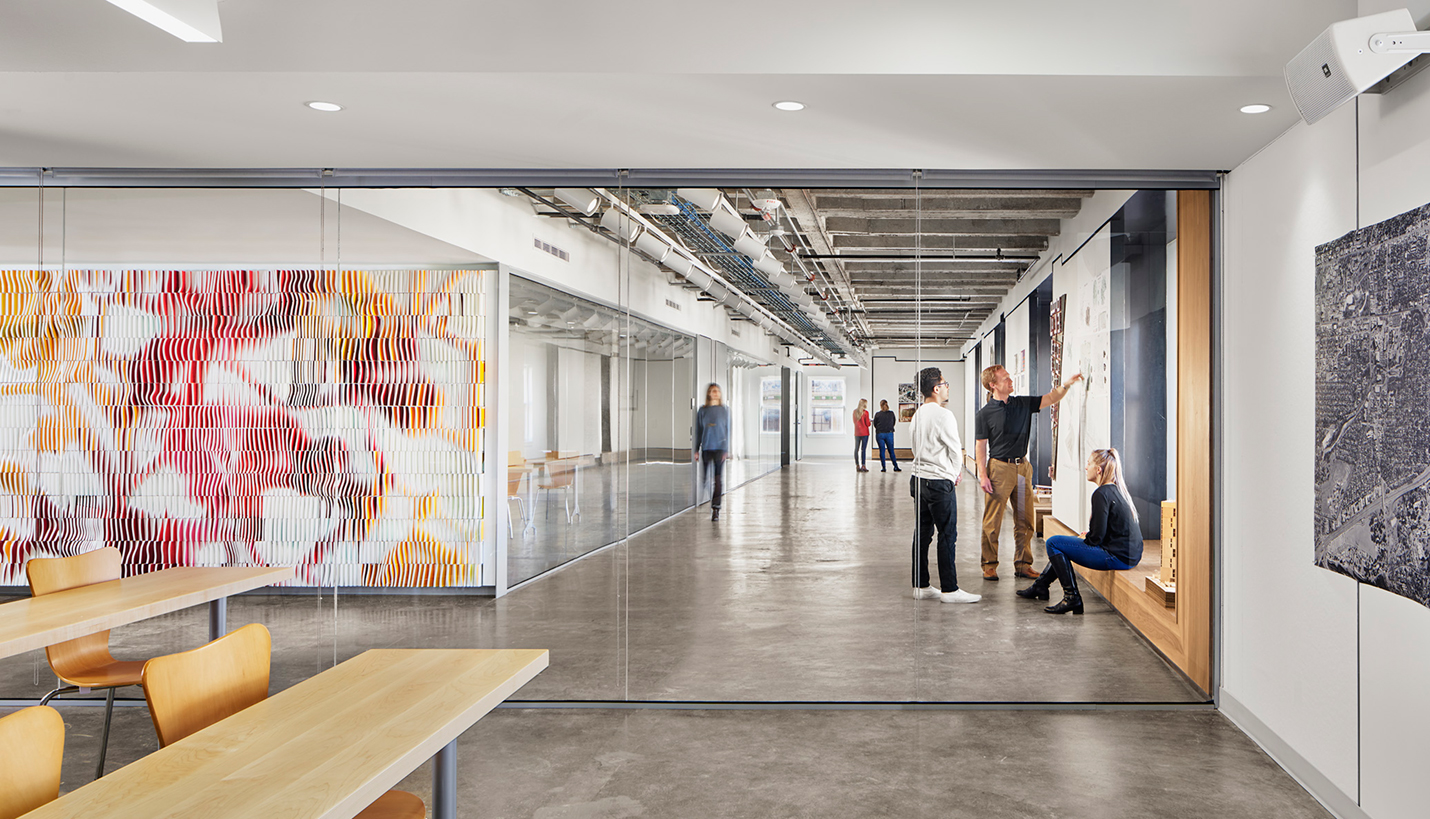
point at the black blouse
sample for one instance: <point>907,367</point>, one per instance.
<point>884,421</point>
<point>1112,526</point>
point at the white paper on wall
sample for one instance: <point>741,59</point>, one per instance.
<point>1085,422</point>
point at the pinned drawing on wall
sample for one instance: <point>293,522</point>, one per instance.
<point>1372,442</point>
<point>908,401</point>
<point>329,420</point>
<point>826,392</point>
<point>771,390</point>
<point>1055,329</point>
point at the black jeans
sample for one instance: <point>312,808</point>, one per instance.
<point>714,459</point>
<point>937,509</point>
<point>861,450</point>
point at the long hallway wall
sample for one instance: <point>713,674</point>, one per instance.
<point>1328,674</point>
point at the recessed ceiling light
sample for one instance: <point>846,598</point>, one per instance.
<point>319,105</point>
<point>1258,108</point>
<point>789,105</point>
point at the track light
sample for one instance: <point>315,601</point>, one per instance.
<point>728,222</point>
<point>582,199</point>
<point>652,246</point>
<point>620,224</point>
<point>679,263</point>
<point>703,198</point>
<point>699,278</point>
<point>750,245</point>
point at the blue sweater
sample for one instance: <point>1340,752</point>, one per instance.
<point>712,428</point>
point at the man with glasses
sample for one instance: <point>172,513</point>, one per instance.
<point>1001,431</point>
<point>938,467</point>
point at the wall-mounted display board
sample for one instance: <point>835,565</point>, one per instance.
<point>909,400</point>
<point>1373,405</point>
<point>1084,419</point>
<point>329,420</point>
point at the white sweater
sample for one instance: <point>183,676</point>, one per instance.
<point>938,451</point>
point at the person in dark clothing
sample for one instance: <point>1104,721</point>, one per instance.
<point>884,421</point>
<point>1112,542</point>
<point>861,435</point>
<point>712,440</point>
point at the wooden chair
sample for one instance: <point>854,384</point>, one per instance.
<point>192,690</point>
<point>561,474</point>
<point>32,746</point>
<point>84,662</point>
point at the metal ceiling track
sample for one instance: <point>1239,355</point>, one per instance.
<point>606,178</point>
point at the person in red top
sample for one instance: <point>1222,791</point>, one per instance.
<point>861,435</point>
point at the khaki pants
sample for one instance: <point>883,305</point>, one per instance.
<point>1010,482</point>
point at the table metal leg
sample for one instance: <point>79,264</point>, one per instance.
<point>218,618</point>
<point>444,782</point>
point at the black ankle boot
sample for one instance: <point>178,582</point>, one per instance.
<point>1039,589</point>
<point>1071,602</point>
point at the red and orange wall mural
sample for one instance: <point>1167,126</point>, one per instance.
<point>326,419</point>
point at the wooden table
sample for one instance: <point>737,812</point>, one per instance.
<point>37,622</point>
<point>325,748</point>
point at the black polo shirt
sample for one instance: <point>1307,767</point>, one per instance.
<point>1006,425</point>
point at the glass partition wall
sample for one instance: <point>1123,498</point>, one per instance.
<point>461,438</point>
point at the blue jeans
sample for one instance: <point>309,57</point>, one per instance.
<point>861,450</point>
<point>1077,550</point>
<point>886,444</point>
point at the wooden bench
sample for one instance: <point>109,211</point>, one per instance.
<point>1127,590</point>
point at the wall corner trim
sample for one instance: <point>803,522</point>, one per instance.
<point>1331,797</point>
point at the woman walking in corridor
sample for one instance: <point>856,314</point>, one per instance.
<point>1112,542</point>
<point>712,440</point>
<point>861,436</point>
<point>884,421</point>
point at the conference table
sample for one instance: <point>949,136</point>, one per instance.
<point>325,748</point>
<point>36,622</point>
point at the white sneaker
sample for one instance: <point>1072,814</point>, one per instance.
<point>927,593</point>
<point>960,596</point>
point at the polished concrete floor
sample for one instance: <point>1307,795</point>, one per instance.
<point>607,764</point>
<point>800,593</point>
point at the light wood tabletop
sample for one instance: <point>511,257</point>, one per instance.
<point>37,622</point>
<point>323,749</point>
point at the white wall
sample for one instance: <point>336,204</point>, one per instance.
<point>841,444</point>
<point>1327,674</point>
<point>1015,347</point>
<point>890,367</point>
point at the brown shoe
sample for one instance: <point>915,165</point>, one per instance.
<point>990,574</point>
<point>1027,571</point>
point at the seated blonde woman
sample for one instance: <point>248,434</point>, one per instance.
<point>1112,542</point>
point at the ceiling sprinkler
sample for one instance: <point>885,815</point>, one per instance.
<point>767,202</point>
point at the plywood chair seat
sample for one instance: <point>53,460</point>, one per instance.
<point>32,747</point>
<point>84,662</point>
<point>191,690</point>
<point>395,805</point>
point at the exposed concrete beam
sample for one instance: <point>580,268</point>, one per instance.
<point>890,268</point>
<point>943,227</point>
<point>990,208</point>
<point>942,242</point>
<point>955,193</point>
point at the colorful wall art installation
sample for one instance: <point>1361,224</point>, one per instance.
<point>325,419</point>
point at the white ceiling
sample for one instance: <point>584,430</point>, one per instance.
<point>452,83</point>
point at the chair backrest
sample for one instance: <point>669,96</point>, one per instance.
<point>32,745</point>
<point>560,473</point>
<point>515,458</point>
<point>192,690</point>
<point>48,575</point>
<point>513,483</point>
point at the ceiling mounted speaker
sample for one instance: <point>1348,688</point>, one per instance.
<point>620,224</point>
<point>699,278</point>
<point>728,222</point>
<point>1343,62</point>
<point>703,198</point>
<point>680,263</point>
<point>750,245</point>
<point>582,199</point>
<point>652,246</point>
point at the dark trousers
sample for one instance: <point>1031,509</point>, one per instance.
<point>714,459</point>
<point>886,444</point>
<point>861,450</point>
<point>937,509</point>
